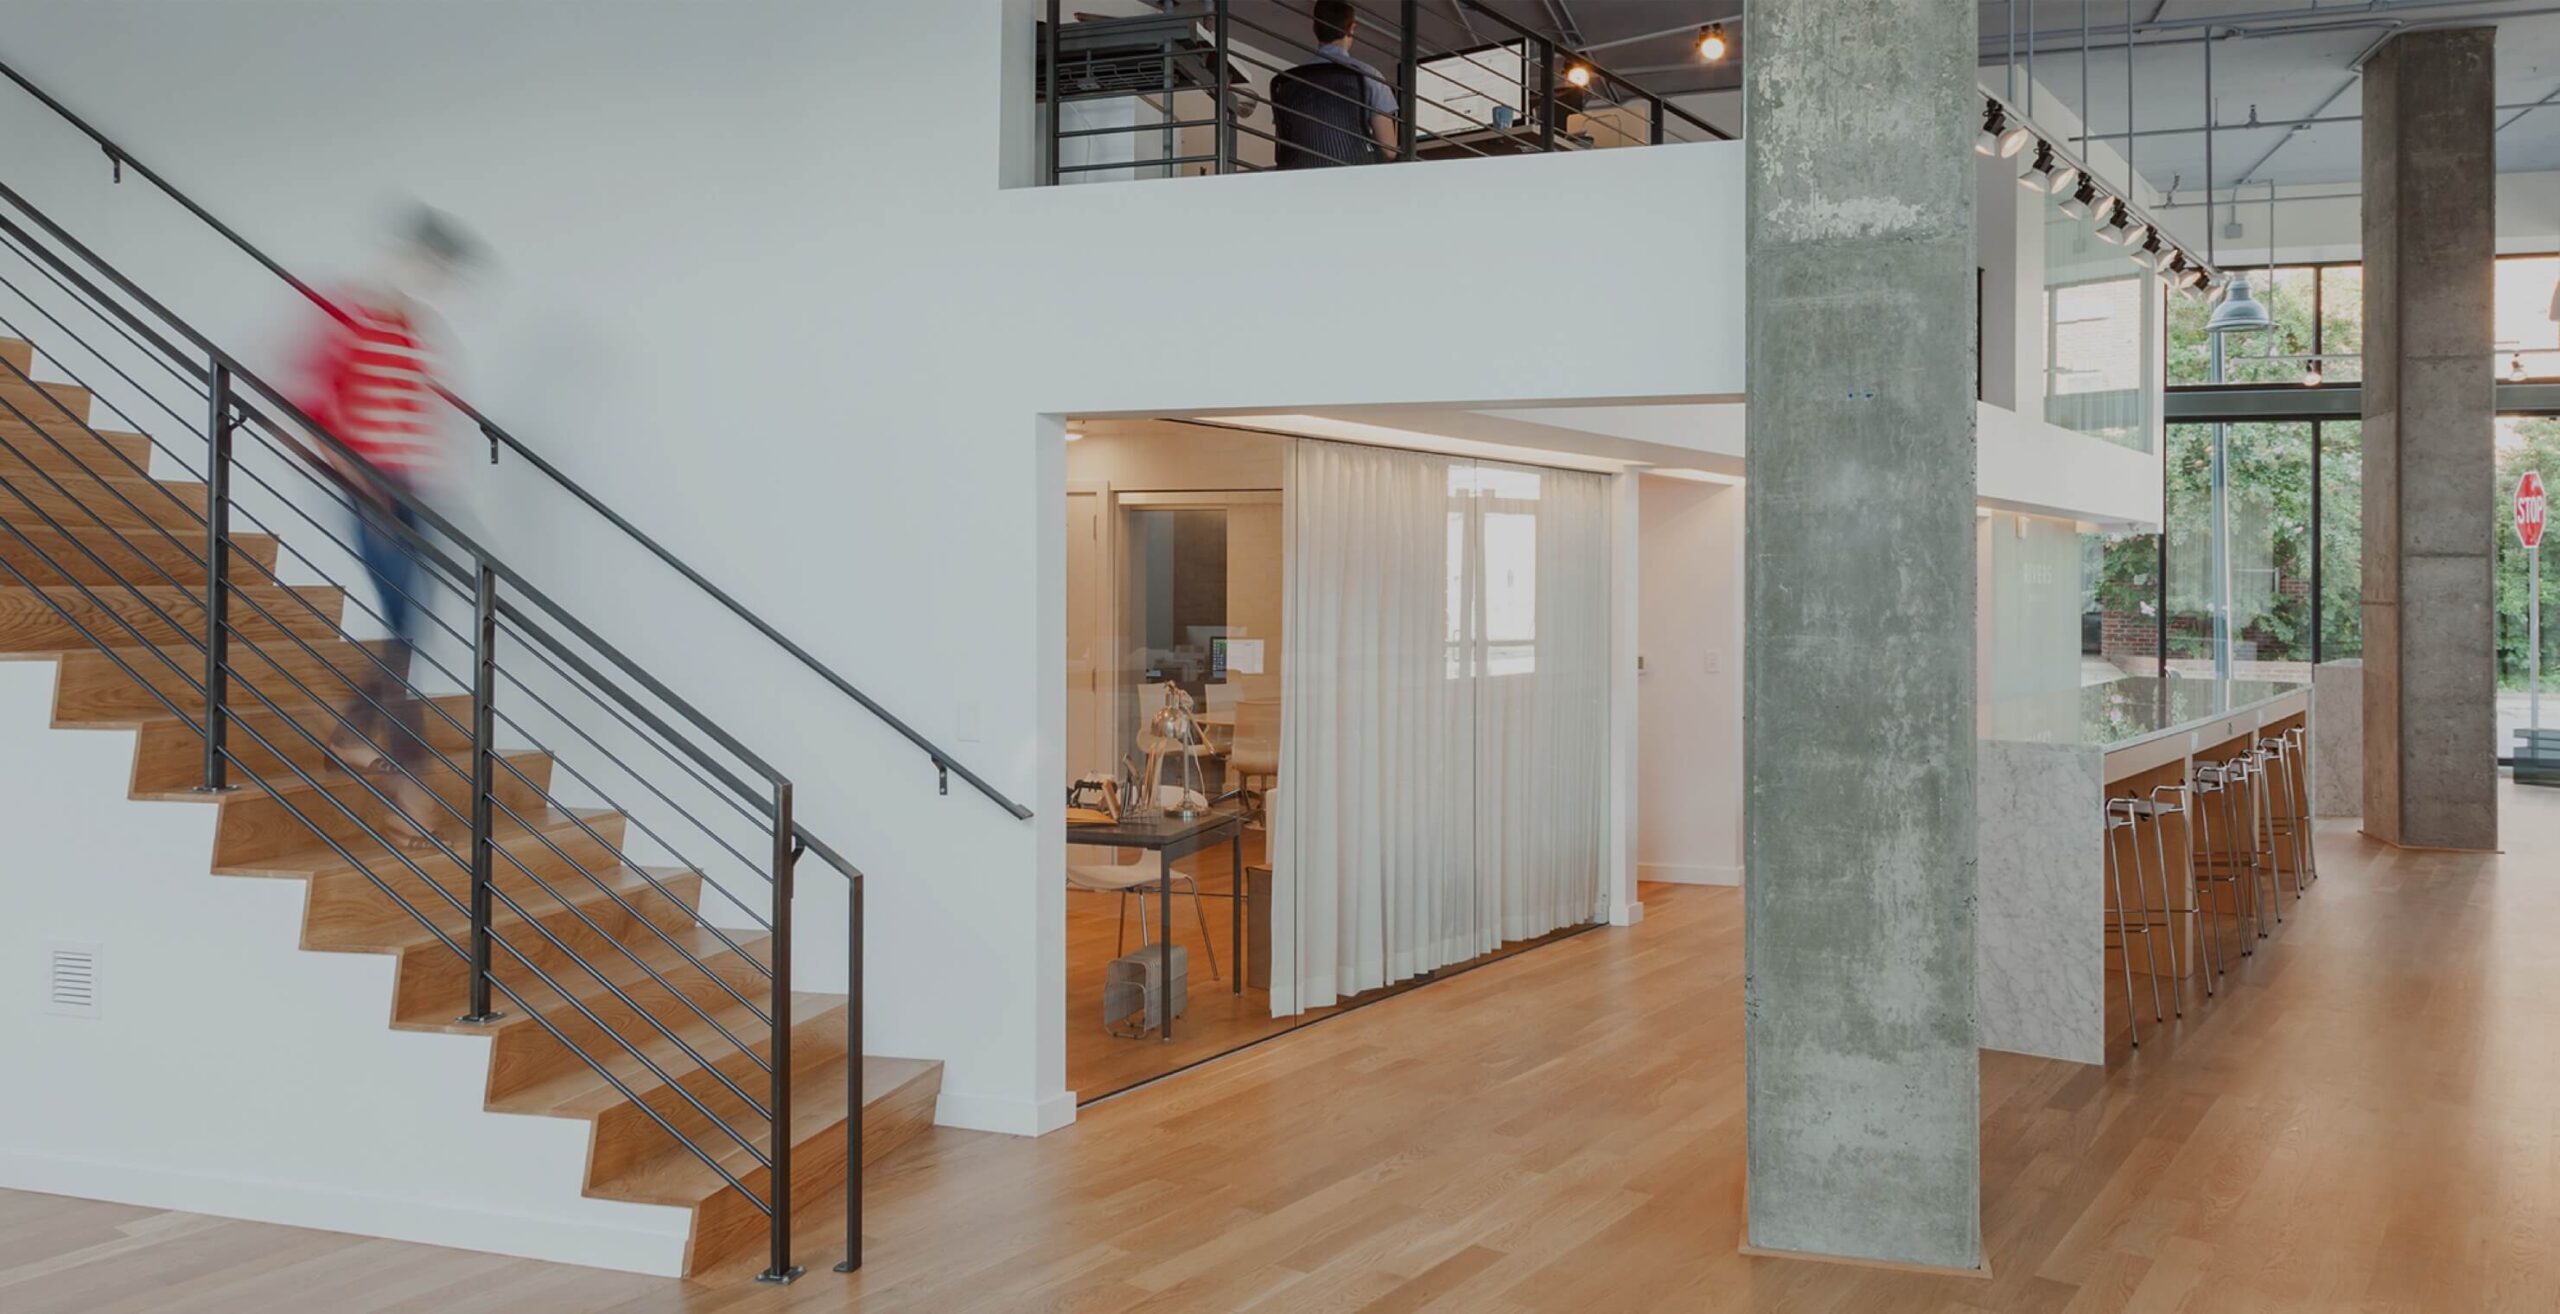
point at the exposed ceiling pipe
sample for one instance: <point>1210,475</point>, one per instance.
<point>2355,74</point>
<point>2546,102</point>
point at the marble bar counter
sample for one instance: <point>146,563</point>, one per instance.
<point>2046,768</point>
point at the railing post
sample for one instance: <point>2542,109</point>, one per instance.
<point>1226,129</point>
<point>1408,79</point>
<point>219,423</point>
<point>778,1186</point>
<point>1057,101</point>
<point>1547,88</point>
<point>484,766</point>
<point>853,1084</point>
<point>1659,114</point>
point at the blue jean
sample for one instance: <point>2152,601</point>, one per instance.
<point>386,714</point>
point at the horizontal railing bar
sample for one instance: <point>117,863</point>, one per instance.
<point>1167,162</point>
<point>509,611</point>
<point>1140,127</point>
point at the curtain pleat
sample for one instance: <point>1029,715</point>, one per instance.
<point>1434,800</point>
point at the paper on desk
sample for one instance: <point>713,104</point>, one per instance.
<point>1244,656</point>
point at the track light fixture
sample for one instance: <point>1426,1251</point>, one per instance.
<point>2083,202</point>
<point>2150,254</point>
<point>2000,137</point>
<point>2110,218</point>
<point>1579,75</point>
<point>2050,174</point>
<point>1712,44</point>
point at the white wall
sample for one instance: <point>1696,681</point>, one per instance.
<point>764,289</point>
<point>229,1072</point>
<point>1689,735</point>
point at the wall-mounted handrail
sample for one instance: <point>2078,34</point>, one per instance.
<point>943,761</point>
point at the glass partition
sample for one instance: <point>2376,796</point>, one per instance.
<point>2524,443</point>
<point>2101,337</point>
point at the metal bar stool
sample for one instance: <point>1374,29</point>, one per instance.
<point>2168,801</point>
<point>2131,918</point>
<point>2262,860</point>
<point>2216,788</point>
<point>2301,737</point>
<point>2283,818</point>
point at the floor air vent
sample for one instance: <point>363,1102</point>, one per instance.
<point>71,979</point>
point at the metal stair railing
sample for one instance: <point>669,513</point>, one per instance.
<point>223,621</point>
<point>944,763</point>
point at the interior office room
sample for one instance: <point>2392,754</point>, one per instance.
<point>1525,656</point>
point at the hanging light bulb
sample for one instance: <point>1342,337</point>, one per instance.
<point>2000,137</point>
<point>2515,368</point>
<point>2083,202</point>
<point>1711,43</point>
<point>2050,174</point>
<point>1579,75</point>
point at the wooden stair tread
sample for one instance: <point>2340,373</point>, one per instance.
<point>619,969</point>
<point>93,691</point>
<point>581,1093</point>
<point>318,859</point>
<point>676,1176</point>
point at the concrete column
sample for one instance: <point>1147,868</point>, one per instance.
<point>1864,1134</point>
<point>2430,528</point>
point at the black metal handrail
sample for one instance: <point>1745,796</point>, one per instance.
<point>1164,56</point>
<point>505,606</point>
<point>945,764</point>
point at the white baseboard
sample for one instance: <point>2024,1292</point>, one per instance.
<point>656,1250</point>
<point>1628,915</point>
<point>997,1113</point>
<point>1679,873</point>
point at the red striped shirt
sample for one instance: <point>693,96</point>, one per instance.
<point>370,386</point>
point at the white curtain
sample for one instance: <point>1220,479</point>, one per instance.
<point>1444,728</point>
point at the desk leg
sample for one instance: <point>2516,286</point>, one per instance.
<point>1235,911</point>
<point>1164,947</point>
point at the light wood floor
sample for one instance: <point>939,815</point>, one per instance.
<point>1219,1019</point>
<point>2367,1120</point>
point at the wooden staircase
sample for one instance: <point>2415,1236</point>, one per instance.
<point>613,956</point>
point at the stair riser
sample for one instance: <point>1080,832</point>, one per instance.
<point>526,1054</point>
<point>81,506</point>
<point>261,826</point>
<point>120,456</point>
<point>725,1225</point>
<point>432,982</point>
<point>348,912</point>
<point>28,625</point>
<point>170,755</point>
<point>19,354</point>
<point>626,1136</point>
<point>41,400</point>
<point>151,559</point>
<point>92,690</point>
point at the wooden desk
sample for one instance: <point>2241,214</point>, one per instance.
<point>1170,837</point>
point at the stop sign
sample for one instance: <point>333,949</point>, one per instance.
<point>2532,509</point>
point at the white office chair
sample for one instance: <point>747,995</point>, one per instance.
<point>1128,878</point>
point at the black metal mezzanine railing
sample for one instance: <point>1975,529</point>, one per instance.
<point>1203,74</point>
<point>688,1017</point>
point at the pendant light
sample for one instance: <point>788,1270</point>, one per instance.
<point>2240,311</point>
<point>1712,44</point>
